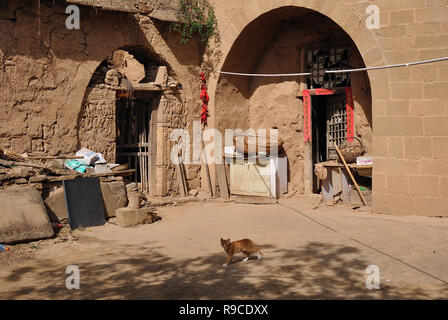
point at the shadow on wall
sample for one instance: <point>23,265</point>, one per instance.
<point>315,271</point>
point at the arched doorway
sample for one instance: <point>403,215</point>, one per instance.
<point>291,40</point>
<point>120,112</point>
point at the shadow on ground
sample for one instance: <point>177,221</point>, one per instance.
<point>315,271</point>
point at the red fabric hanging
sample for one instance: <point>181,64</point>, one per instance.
<point>307,116</point>
<point>350,114</point>
<point>204,97</point>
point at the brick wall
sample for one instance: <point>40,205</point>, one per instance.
<point>411,123</point>
<point>409,105</point>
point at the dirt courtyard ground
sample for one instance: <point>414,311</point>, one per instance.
<point>309,253</point>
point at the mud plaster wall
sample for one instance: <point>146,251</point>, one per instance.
<point>273,101</point>
<point>46,68</point>
<point>96,129</point>
<point>173,116</point>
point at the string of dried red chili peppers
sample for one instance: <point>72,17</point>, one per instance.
<point>204,98</point>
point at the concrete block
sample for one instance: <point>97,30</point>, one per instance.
<point>127,217</point>
<point>424,28</point>
<point>404,91</point>
<point>425,186</point>
<point>114,197</point>
<point>379,182</point>
<point>401,17</point>
<point>436,90</point>
<point>440,147</point>
<point>393,204</point>
<point>398,126</point>
<point>435,126</point>
<point>443,71</point>
<point>417,147</point>
<point>430,107</point>
<point>396,147</point>
<point>431,15</point>
<point>56,206</point>
<point>433,167</point>
<point>23,216</point>
<point>397,108</point>
<point>380,146</point>
<point>431,207</point>
<point>444,187</point>
<point>398,185</point>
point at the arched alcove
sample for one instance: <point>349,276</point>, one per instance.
<point>278,42</point>
<point>127,98</point>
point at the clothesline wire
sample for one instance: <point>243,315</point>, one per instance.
<point>335,71</point>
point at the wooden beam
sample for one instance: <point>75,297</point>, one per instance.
<point>308,174</point>
<point>53,157</point>
<point>255,200</point>
<point>147,87</point>
<point>222,178</point>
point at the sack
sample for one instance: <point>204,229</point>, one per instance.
<point>76,165</point>
<point>91,158</point>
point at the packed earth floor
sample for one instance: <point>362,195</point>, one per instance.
<point>310,252</point>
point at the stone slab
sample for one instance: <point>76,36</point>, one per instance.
<point>114,197</point>
<point>23,216</point>
<point>56,206</point>
<point>127,217</point>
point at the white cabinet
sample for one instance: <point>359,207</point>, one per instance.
<point>263,177</point>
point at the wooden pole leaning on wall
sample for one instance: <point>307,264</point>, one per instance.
<point>350,173</point>
<point>222,178</point>
<point>207,169</point>
<point>308,175</point>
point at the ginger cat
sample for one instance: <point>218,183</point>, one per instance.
<point>245,246</point>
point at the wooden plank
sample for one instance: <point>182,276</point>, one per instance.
<point>207,169</point>
<point>184,178</point>
<point>336,180</point>
<point>53,157</point>
<point>148,131</point>
<point>180,180</point>
<point>255,200</point>
<point>11,154</point>
<point>153,149</point>
<point>308,157</point>
<point>222,178</point>
<point>147,87</point>
<point>113,173</point>
<point>34,165</point>
<point>140,142</point>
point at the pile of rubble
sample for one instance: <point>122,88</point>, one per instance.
<point>35,171</point>
<point>32,197</point>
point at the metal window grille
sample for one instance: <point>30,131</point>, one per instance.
<point>319,60</point>
<point>336,121</point>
